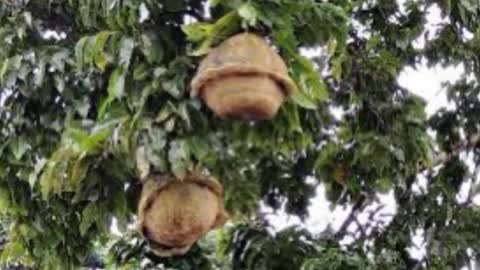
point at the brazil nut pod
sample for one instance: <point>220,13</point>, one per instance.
<point>243,78</point>
<point>174,214</point>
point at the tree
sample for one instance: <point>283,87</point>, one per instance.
<point>95,93</point>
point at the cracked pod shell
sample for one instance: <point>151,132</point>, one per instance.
<point>243,78</point>
<point>174,214</point>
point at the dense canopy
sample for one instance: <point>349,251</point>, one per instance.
<point>95,95</point>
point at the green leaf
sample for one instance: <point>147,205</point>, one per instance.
<point>179,158</point>
<point>127,45</point>
<point>303,100</point>
<point>248,13</point>
<point>208,35</point>
<point>197,31</point>
<point>199,147</point>
<point>152,48</point>
<point>4,146</point>
<point>312,90</point>
<point>143,166</point>
<point>5,200</point>
<point>80,51</point>
<point>164,114</point>
<point>98,44</point>
<point>336,69</point>
<point>39,73</point>
<point>19,146</point>
<point>10,64</point>
<point>383,185</point>
<point>140,72</point>
<point>89,217</point>
<point>53,176</point>
<point>78,171</point>
<point>470,5</point>
<point>13,251</point>
<point>59,59</point>
<point>90,143</point>
<point>182,111</point>
<point>116,84</point>
<point>39,165</point>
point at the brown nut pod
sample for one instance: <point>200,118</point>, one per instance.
<point>174,214</point>
<point>243,78</point>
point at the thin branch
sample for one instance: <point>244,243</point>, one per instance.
<point>375,226</point>
<point>443,157</point>
<point>351,218</point>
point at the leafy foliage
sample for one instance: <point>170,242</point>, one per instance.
<point>94,96</point>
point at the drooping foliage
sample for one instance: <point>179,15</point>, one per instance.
<point>95,95</point>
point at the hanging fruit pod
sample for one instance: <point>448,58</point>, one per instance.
<point>243,78</point>
<point>173,214</point>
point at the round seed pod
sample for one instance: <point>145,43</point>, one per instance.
<point>243,78</point>
<point>174,214</point>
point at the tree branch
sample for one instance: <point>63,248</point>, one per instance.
<point>351,218</point>
<point>456,149</point>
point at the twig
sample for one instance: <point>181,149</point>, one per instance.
<point>351,217</point>
<point>456,149</point>
<point>375,226</point>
